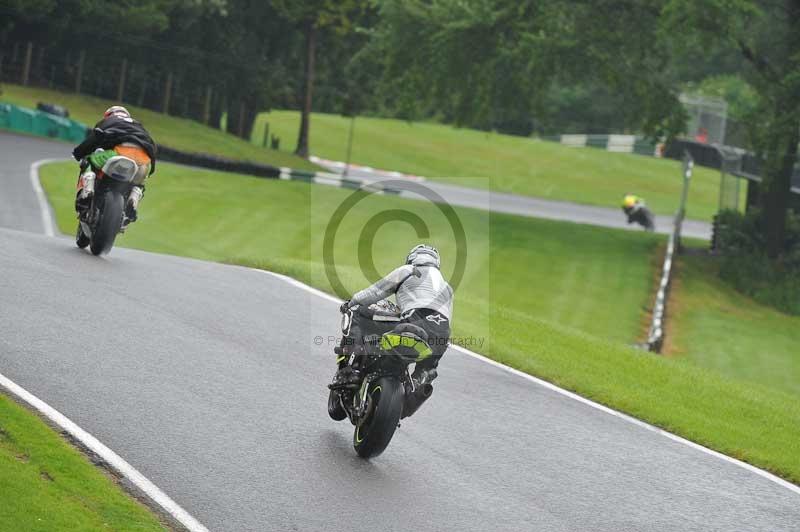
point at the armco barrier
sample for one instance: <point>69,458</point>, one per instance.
<point>655,337</point>
<point>213,162</point>
<point>616,143</point>
<point>336,180</point>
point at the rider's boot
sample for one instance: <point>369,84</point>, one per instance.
<point>85,191</point>
<point>423,375</point>
<point>423,389</point>
<point>345,373</point>
<point>132,207</point>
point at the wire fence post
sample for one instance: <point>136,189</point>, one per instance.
<point>79,74</point>
<point>207,106</point>
<point>266,134</point>
<point>26,68</point>
<point>167,92</point>
<point>121,86</point>
<point>349,145</point>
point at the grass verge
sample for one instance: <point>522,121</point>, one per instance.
<point>718,328</point>
<point>553,299</point>
<point>515,164</point>
<point>46,484</point>
<point>178,133</point>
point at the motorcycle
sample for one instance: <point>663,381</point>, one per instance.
<point>386,392</point>
<point>641,215</point>
<point>104,217</point>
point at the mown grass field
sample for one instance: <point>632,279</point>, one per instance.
<point>557,300</point>
<point>47,485</point>
<point>174,132</point>
<point>514,164</point>
<point>718,328</point>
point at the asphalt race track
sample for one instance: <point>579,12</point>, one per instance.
<point>19,207</point>
<point>536,207</point>
<point>207,379</point>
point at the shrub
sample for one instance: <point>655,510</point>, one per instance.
<point>746,266</point>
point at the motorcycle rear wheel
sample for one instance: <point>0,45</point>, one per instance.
<point>109,224</point>
<point>374,433</point>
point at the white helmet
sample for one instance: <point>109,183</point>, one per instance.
<point>117,110</point>
<point>423,255</point>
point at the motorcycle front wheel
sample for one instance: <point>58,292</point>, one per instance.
<point>108,223</point>
<point>375,431</point>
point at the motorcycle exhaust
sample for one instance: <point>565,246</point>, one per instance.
<point>415,399</point>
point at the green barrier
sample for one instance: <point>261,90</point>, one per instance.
<point>22,119</point>
<point>39,123</point>
<point>5,115</point>
<point>50,125</point>
<point>644,147</point>
<point>77,131</point>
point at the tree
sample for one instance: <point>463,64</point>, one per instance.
<point>474,61</point>
<point>311,17</point>
<point>766,35</point>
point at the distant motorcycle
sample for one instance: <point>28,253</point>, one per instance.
<point>640,214</point>
<point>104,217</point>
<point>387,392</point>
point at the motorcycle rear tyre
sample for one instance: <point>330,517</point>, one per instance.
<point>374,433</point>
<point>109,224</point>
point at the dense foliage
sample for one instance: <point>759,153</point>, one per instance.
<point>200,59</point>
<point>516,68</point>
<point>745,264</point>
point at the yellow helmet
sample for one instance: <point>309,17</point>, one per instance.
<point>629,200</point>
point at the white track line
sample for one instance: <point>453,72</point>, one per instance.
<point>44,206</point>
<point>116,462</point>
<point>110,457</point>
<point>550,386</point>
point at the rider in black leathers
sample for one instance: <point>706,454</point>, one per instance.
<point>117,131</point>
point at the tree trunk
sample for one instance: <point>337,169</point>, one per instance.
<point>217,110</point>
<point>782,143</point>
<point>232,114</point>
<point>248,121</point>
<point>308,87</point>
<point>781,158</point>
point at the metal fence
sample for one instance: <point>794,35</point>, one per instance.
<point>707,118</point>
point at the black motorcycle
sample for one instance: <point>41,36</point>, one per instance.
<point>386,391</point>
<point>104,216</point>
<point>642,216</point>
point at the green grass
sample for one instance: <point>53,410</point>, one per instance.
<point>515,164</point>
<point>47,485</point>
<point>512,164</point>
<point>170,131</point>
<point>718,328</point>
<point>556,300</point>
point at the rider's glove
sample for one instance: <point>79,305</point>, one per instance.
<point>345,306</point>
